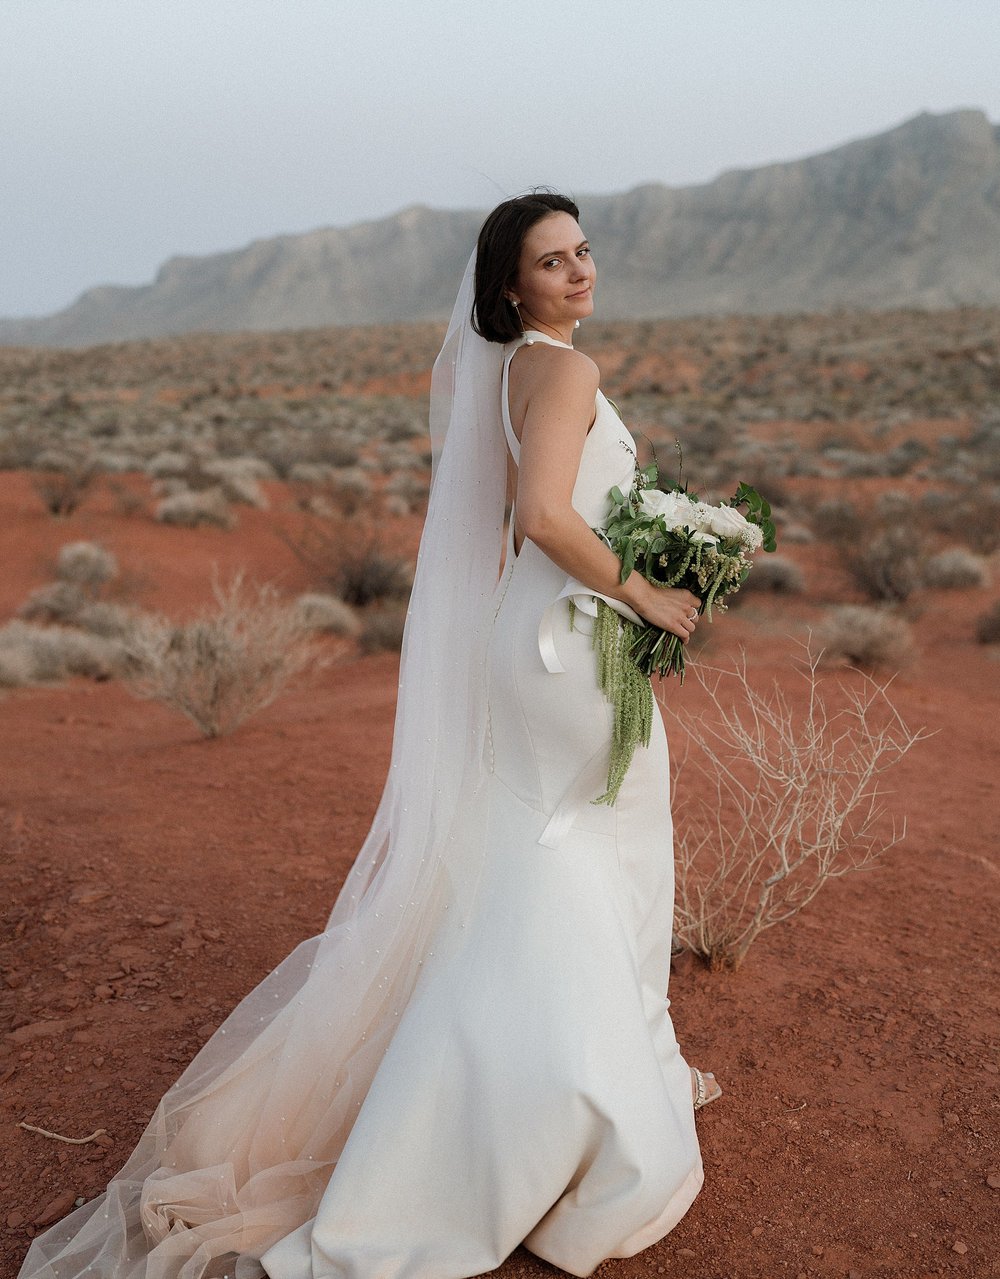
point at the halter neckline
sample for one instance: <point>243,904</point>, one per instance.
<point>537,333</point>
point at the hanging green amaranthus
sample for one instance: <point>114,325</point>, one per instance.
<point>629,691</point>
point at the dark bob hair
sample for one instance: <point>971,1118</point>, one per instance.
<point>498,255</point>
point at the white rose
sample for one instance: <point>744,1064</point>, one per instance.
<point>676,508</point>
<point>726,521</point>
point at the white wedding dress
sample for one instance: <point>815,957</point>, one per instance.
<point>533,1090</point>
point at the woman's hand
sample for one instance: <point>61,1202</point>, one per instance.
<point>671,609</point>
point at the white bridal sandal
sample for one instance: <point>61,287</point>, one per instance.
<point>703,1096</point>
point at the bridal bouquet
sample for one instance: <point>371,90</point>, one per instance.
<point>673,539</point>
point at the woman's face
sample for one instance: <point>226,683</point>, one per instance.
<point>556,274</point>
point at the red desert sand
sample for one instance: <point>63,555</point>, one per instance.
<point>150,878</point>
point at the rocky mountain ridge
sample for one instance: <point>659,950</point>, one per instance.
<point>906,218</point>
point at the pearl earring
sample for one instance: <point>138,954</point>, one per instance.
<point>576,324</point>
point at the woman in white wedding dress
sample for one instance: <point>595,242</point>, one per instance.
<point>477,1052</point>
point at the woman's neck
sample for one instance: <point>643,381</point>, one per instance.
<point>550,330</point>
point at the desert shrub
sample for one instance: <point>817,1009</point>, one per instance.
<point>893,506</point>
<point>351,488</point>
<point>775,574</point>
<point>254,468</point>
<point>239,480</point>
<point>988,625</point>
<point>785,797</point>
<point>54,602</point>
<point>334,450</point>
<point>981,519</point>
<point>116,463</point>
<point>796,534</point>
<point>405,484</point>
<point>92,656</point>
<point>54,652</point>
<point>86,564</point>
<point>168,464</point>
<point>224,666</point>
<point>18,451</point>
<point>865,637</point>
<point>405,422</point>
<point>888,565</point>
<point>64,482</point>
<point>244,490</point>
<point>365,574</point>
<point>101,617</point>
<point>326,613</point>
<point>310,473</point>
<point>383,629</point>
<point>348,560</point>
<point>191,510</point>
<point>836,521</point>
<point>956,567</point>
<point>126,500</point>
<point>15,668</point>
<point>854,464</point>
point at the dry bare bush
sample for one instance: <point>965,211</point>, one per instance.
<point>988,625</point>
<point>224,666</point>
<point>954,568</point>
<point>865,637</point>
<point>776,801</point>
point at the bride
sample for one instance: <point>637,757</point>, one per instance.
<point>477,1050</point>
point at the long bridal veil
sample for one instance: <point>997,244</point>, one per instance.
<point>240,1148</point>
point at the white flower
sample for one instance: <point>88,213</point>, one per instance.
<point>727,521</point>
<point>676,508</point>
<point>753,538</point>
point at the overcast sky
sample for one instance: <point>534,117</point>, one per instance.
<point>133,130</point>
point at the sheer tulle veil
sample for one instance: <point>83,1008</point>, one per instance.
<point>240,1148</point>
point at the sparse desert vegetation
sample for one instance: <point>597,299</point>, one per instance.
<point>154,875</point>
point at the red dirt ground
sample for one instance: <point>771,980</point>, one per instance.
<point>151,878</point>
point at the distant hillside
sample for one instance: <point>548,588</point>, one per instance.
<point>908,218</point>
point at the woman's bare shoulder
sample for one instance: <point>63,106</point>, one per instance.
<point>559,367</point>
